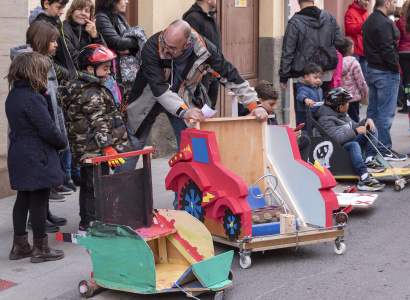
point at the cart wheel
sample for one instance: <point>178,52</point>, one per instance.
<point>397,188</point>
<point>191,200</point>
<point>86,288</point>
<point>245,261</point>
<point>341,249</point>
<point>232,225</point>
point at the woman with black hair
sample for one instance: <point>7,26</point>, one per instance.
<point>111,24</point>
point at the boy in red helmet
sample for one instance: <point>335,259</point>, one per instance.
<point>94,124</point>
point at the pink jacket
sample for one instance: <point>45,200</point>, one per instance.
<point>353,79</point>
<point>337,75</point>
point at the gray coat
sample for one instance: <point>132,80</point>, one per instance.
<point>338,125</point>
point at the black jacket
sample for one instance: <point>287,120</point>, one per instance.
<point>380,37</point>
<point>308,29</point>
<point>205,24</point>
<point>77,38</point>
<point>113,36</point>
<point>33,160</point>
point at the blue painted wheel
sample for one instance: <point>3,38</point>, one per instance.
<point>190,200</point>
<point>232,225</point>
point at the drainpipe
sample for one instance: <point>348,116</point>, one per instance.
<point>286,93</point>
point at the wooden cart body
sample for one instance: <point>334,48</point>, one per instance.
<point>223,157</point>
<point>138,249</point>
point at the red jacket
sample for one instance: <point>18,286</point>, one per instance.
<point>354,19</point>
<point>404,42</point>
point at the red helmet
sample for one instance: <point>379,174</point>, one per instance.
<point>93,55</point>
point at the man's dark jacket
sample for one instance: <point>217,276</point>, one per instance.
<point>204,23</point>
<point>308,29</point>
<point>380,37</point>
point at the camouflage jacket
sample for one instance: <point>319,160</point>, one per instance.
<point>92,119</point>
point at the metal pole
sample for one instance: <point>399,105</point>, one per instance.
<point>286,92</point>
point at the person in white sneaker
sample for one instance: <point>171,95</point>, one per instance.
<point>336,122</point>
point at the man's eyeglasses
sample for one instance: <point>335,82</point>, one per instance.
<point>164,45</point>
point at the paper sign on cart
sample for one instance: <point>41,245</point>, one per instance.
<point>207,111</point>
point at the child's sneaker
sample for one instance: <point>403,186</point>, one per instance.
<point>55,197</point>
<point>374,166</point>
<point>82,229</point>
<point>63,190</point>
<point>370,184</point>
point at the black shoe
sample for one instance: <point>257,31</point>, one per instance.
<point>394,156</point>
<point>76,180</point>
<point>50,227</point>
<point>370,184</point>
<point>55,197</point>
<point>63,190</point>
<point>70,184</point>
<point>56,220</point>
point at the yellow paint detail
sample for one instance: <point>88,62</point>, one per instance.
<point>175,158</point>
<point>180,154</point>
<point>192,205</point>
<point>208,197</point>
<point>319,167</point>
<point>188,148</point>
<point>230,225</point>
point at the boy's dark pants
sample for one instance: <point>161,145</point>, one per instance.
<point>87,203</point>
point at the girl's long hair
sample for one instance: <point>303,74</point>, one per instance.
<point>31,67</point>
<point>80,4</point>
<point>404,12</point>
<point>107,7</point>
<point>40,34</point>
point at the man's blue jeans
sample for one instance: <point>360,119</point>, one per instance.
<point>363,64</point>
<point>138,142</point>
<point>383,89</point>
<point>355,151</point>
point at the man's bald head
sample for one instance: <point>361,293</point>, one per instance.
<point>177,38</point>
<point>178,29</point>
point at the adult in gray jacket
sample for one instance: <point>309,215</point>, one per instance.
<point>173,62</point>
<point>306,31</point>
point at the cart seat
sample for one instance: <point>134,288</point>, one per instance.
<point>255,203</point>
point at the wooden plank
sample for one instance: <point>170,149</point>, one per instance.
<point>247,159</point>
<point>181,249</point>
<point>270,242</point>
<point>174,256</point>
<point>167,274</point>
<point>162,250</point>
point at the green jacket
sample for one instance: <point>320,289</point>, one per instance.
<point>92,119</point>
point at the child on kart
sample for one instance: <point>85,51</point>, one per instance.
<point>333,117</point>
<point>268,97</point>
<point>94,124</point>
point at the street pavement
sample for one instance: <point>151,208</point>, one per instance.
<point>375,266</point>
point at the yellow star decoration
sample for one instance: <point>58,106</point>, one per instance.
<point>208,197</point>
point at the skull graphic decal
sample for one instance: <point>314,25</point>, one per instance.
<point>322,153</point>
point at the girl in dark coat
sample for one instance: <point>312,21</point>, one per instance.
<point>111,23</point>
<point>33,160</point>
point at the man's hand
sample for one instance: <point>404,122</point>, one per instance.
<point>91,29</point>
<point>113,162</point>
<point>284,85</point>
<point>260,114</point>
<point>309,102</point>
<point>370,123</point>
<point>194,113</point>
<point>361,130</point>
<point>298,134</point>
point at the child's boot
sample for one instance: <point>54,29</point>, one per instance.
<point>41,252</point>
<point>21,248</point>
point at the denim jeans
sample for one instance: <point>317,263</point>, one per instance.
<point>355,151</point>
<point>139,140</point>
<point>363,64</point>
<point>383,89</point>
<point>66,158</point>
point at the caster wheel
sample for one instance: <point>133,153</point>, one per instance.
<point>341,249</point>
<point>245,262</point>
<point>86,288</point>
<point>397,188</point>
